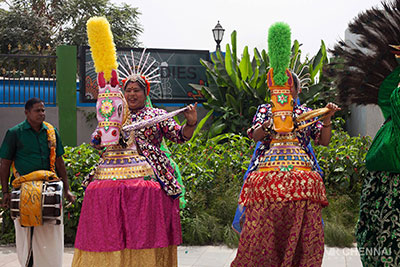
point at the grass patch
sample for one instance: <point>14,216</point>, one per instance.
<point>336,235</point>
<point>340,219</point>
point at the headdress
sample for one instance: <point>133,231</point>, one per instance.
<point>111,106</point>
<point>102,46</point>
<point>139,73</point>
<point>279,77</point>
<point>279,53</point>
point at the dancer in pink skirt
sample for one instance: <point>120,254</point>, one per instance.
<point>130,212</point>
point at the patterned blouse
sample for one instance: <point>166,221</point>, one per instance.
<point>313,131</point>
<point>149,140</point>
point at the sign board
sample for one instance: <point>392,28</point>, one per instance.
<point>177,68</point>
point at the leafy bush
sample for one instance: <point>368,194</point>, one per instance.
<point>212,171</point>
<point>343,162</point>
<point>7,233</point>
<point>79,161</point>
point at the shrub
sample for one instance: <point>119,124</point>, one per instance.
<point>343,162</point>
<point>212,171</point>
<point>7,228</point>
<point>79,161</point>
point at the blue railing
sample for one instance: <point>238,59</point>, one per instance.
<point>15,92</point>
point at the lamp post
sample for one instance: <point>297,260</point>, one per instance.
<point>218,33</point>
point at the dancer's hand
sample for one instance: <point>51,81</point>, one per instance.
<point>5,203</point>
<point>96,141</point>
<point>70,196</point>
<point>333,108</point>
<point>191,115</point>
<point>267,124</point>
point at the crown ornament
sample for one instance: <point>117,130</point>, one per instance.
<point>145,75</point>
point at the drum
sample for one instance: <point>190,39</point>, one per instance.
<point>52,195</point>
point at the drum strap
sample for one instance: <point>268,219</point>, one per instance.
<point>31,185</point>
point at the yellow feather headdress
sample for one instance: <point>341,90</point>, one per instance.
<point>102,46</point>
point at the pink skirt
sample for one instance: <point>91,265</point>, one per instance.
<point>127,214</point>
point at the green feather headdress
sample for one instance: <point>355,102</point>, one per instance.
<point>279,49</point>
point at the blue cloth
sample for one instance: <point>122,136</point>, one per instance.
<point>240,209</point>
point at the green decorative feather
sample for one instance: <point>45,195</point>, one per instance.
<point>279,45</point>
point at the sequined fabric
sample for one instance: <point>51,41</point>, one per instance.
<point>311,132</point>
<point>156,257</point>
<point>378,227</point>
<point>127,214</point>
<point>149,140</point>
<point>281,234</point>
<point>123,164</point>
<point>265,187</point>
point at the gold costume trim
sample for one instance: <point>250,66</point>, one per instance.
<point>154,257</point>
<point>123,173</point>
<point>275,90</point>
<point>125,164</point>
<point>110,95</point>
<point>284,144</point>
<point>109,123</point>
<point>285,136</point>
<point>281,157</point>
<point>284,113</point>
<point>121,154</point>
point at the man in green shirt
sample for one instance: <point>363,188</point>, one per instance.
<point>26,144</point>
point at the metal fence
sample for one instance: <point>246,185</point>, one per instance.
<point>23,76</point>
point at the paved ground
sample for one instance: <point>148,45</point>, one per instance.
<point>207,256</point>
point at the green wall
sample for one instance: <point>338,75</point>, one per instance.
<point>66,93</point>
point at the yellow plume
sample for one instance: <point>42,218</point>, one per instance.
<point>102,45</point>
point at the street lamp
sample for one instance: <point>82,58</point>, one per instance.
<point>218,33</point>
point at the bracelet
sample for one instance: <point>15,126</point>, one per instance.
<point>326,125</point>
<point>191,125</point>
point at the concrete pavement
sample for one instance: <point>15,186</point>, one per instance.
<point>205,256</point>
